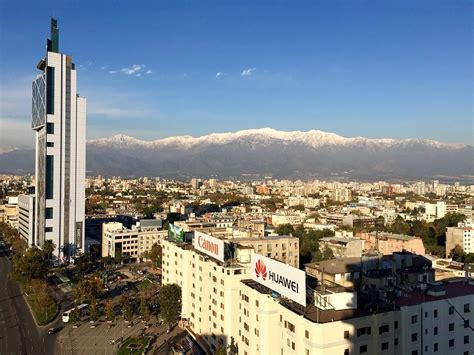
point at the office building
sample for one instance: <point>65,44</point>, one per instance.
<point>59,122</point>
<point>26,220</point>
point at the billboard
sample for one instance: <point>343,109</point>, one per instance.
<point>209,245</point>
<point>281,278</point>
<point>175,233</point>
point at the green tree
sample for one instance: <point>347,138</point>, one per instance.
<point>88,289</point>
<point>29,265</point>
<point>469,258</point>
<point>170,303</point>
<point>48,248</point>
<point>457,253</point>
<point>144,310</point>
<point>155,255</point>
<point>285,229</point>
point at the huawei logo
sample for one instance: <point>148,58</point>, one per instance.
<point>261,269</point>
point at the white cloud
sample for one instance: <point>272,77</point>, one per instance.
<point>112,72</point>
<point>138,74</point>
<point>248,72</point>
<point>133,70</point>
<point>219,74</point>
<point>149,71</point>
<point>103,67</point>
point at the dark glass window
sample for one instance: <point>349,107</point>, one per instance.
<point>50,91</point>
<point>49,144</point>
<point>49,176</point>
<point>50,128</point>
<point>435,347</point>
<point>363,349</point>
<point>414,336</point>
<point>466,339</point>
<point>49,213</point>
<point>435,330</point>
<point>48,229</point>
<point>467,308</point>
<point>451,343</point>
<point>384,346</point>
<point>451,327</point>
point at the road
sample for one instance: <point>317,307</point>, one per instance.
<point>18,331</point>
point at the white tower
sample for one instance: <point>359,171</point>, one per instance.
<point>59,119</point>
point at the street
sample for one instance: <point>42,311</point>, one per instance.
<point>18,331</point>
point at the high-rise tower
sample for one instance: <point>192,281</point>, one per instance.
<point>59,119</point>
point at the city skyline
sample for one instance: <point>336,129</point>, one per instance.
<point>374,71</point>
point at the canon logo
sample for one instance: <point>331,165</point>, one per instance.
<point>208,245</point>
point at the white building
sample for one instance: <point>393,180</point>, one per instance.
<point>26,221</point>
<point>59,119</point>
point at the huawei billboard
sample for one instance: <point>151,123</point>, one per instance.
<point>281,278</point>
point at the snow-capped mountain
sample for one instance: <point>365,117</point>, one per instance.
<point>269,152</point>
<point>313,138</point>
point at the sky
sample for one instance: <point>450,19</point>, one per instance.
<point>152,69</point>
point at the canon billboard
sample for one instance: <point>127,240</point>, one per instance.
<point>209,245</point>
<point>281,278</point>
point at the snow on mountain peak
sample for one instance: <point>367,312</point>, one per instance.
<point>314,138</point>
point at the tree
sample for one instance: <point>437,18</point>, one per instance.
<point>29,265</point>
<point>126,308</point>
<point>457,253</point>
<point>155,255</point>
<point>170,303</point>
<point>93,311</point>
<point>75,315</point>
<point>88,289</point>
<point>469,258</point>
<point>118,259</point>
<point>285,229</point>
<point>144,309</point>
<point>109,310</point>
<point>328,254</point>
<point>48,248</point>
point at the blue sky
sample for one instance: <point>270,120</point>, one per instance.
<point>357,68</point>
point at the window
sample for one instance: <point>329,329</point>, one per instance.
<point>49,213</point>
<point>435,313</point>
<point>384,329</point>
<point>451,310</point>
<point>346,334</point>
<point>435,330</point>
<point>363,331</point>
<point>414,336</point>
<point>49,144</point>
<point>451,343</point>
<point>48,229</point>
<point>414,319</point>
<point>384,346</point>
<point>435,347</point>
<point>396,325</point>
<point>451,327</point>
<point>363,349</point>
<point>466,323</point>
<point>414,352</point>
<point>50,128</point>
<point>256,303</point>
<point>49,176</point>
<point>50,90</point>
<point>466,308</point>
<point>466,339</point>
<point>289,326</point>
<point>346,351</point>
<point>306,334</point>
<point>395,342</point>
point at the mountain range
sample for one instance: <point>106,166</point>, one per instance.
<point>266,151</point>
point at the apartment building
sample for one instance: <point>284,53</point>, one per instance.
<point>462,235</point>
<point>131,243</point>
<point>388,243</point>
<point>210,285</point>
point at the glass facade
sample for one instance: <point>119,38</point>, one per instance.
<point>38,107</point>
<point>49,176</point>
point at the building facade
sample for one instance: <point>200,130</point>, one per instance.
<point>59,120</point>
<point>26,220</point>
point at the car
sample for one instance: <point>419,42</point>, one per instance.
<point>51,331</point>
